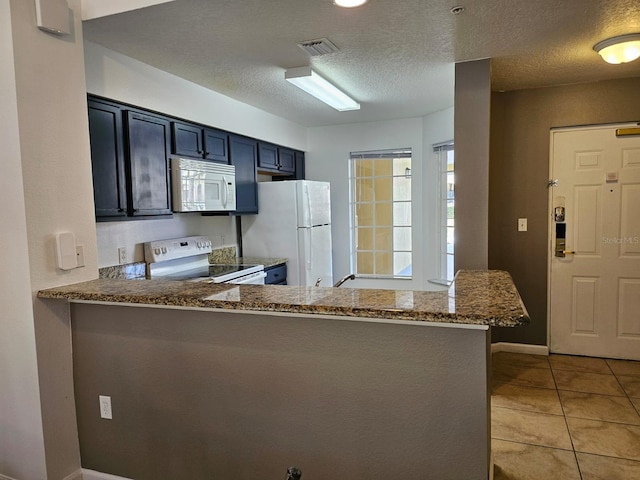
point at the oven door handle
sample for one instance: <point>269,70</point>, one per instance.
<point>252,278</point>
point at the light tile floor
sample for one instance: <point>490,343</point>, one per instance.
<point>565,417</point>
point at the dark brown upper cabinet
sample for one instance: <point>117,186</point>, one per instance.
<point>149,141</point>
<point>275,160</point>
<point>191,140</point>
<point>107,160</point>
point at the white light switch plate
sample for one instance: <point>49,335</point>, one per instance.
<point>522,224</point>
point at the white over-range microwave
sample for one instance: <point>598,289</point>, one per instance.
<point>200,186</point>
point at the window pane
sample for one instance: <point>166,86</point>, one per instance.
<point>400,166</point>
<point>364,214</point>
<point>402,264</point>
<point>364,190</point>
<point>402,213</point>
<point>450,271</point>
<point>402,238</point>
<point>365,239</point>
<point>384,215</point>
<point>365,263</point>
<point>450,209</point>
<point>384,263</point>
<point>383,192</point>
<point>382,167</point>
<point>384,239</point>
<point>401,188</point>
<point>450,233</point>
<point>364,168</point>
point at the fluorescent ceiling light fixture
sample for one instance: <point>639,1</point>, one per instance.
<point>349,3</point>
<point>621,49</point>
<point>312,83</point>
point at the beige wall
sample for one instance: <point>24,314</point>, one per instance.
<point>472,127</point>
<point>57,196</point>
<point>520,124</point>
<point>21,437</point>
<point>245,395</point>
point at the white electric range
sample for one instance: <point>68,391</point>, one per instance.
<point>187,258</point>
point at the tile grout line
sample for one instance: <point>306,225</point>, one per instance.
<point>622,386</point>
<point>566,422</point>
<point>576,370</point>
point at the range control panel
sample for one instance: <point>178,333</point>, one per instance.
<point>163,250</point>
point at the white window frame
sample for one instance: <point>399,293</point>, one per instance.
<point>446,229</point>
<point>373,155</point>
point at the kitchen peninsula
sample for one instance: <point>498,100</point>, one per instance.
<point>228,381</point>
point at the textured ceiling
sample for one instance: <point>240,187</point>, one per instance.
<point>397,56</point>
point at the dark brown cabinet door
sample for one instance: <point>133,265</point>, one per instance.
<point>215,145</point>
<point>149,144</point>
<point>107,160</point>
<point>286,161</point>
<point>267,157</point>
<point>187,140</point>
<point>299,174</point>
<point>243,153</point>
<point>190,140</point>
<point>276,161</point>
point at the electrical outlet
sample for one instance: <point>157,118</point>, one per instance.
<point>122,255</point>
<point>522,224</point>
<point>80,255</point>
<point>105,407</point>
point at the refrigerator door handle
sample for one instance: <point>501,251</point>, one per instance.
<point>308,207</point>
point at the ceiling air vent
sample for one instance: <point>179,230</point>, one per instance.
<point>321,46</point>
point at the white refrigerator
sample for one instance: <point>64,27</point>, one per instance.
<point>294,222</point>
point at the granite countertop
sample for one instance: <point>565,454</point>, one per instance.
<point>267,262</point>
<point>476,297</point>
<point>227,255</point>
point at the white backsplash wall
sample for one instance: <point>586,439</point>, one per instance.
<point>132,234</point>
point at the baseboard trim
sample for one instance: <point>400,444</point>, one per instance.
<point>93,475</point>
<point>77,475</point>
<point>520,348</point>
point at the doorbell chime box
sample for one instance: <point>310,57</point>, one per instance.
<point>66,255</point>
<point>53,16</point>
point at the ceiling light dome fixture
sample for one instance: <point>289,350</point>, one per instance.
<point>620,49</point>
<point>349,3</point>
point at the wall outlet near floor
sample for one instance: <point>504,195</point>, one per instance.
<point>105,407</point>
<point>522,224</point>
<point>122,255</point>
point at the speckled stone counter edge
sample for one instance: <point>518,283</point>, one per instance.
<point>476,298</point>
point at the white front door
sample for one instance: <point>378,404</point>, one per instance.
<point>594,290</point>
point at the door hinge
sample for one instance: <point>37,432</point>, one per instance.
<point>552,183</point>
